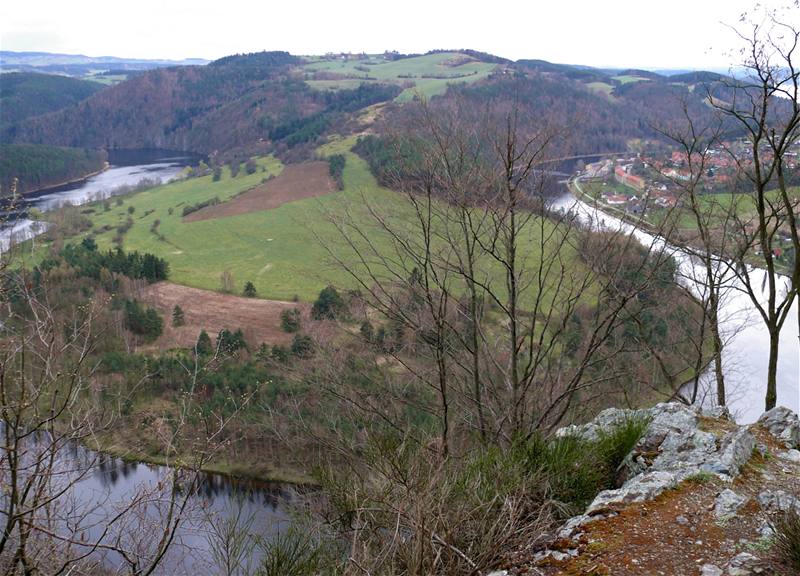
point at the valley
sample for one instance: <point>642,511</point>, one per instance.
<point>296,304</point>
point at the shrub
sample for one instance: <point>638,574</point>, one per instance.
<point>787,537</point>
<point>200,205</point>
<point>336,169</point>
<point>143,321</point>
<point>226,281</point>
<point>367,331</point>
<point>217,174</point>
<point>250,166</point>
<point>178,318</point>
<point>280,353</point>
<point>249,290</point>
<point>231,342</point>
<point>302,346</point>
<point>204,347</point>
<point>290,320</point>
<point>291,552</point>
<point>328,305</point>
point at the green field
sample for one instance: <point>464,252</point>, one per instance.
<point>282,251</point>
<point>448,67</point>
<point>627,79</point>
<point>601,88</point>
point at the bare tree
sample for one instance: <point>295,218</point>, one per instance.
<point>765,105</point>
<point>488,284</point>
<point>710,245</point>
<point>49,408</point>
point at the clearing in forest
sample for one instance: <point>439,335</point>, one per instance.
<point>260,320</point>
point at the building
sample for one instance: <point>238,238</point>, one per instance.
<point>629,180</point>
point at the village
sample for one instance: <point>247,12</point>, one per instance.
<point>645,185</point>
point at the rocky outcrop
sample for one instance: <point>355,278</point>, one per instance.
<point>673,448</point>
<point>784,424</point>
<point>683,444</point>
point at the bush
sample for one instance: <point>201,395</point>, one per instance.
<point>291,552</point>
<point>249,290</point>
<point>145,322</point>
<point>336,169</point>
<point>200,205</point>
<point>367,331</point>
<point>459,515</point>
<point>290,320</point>
<point>204,347</point>
<point>178,318</point>
<point>302,346</point>
<point>250,166</point>
<point>231,342</point>
<point>787,538</point>
<point>329,305</point>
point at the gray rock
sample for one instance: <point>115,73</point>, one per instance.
<point>735,450</point>
<point>745,564</point>
<point>638,489</point>
<point>682,520</point>
<point>765,530</point>
<point>791,455</point>
<point>710,570</point>
<point>784,424</point>
<point>717,412</point>
<point>778,501</point>
<point>728,503</point>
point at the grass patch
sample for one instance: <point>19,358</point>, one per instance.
<point>430,74</point>
<point>787,538</point>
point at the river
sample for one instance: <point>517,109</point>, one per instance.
<point>102,484</point>
<point>126,168</point>
<point>746,350</point>
<point>264,508</point>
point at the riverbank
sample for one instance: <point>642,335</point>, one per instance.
<point>249,470</point>
<point>50,188</point>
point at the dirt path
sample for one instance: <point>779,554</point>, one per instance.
<point>260,320</point>
<point>296,182</point>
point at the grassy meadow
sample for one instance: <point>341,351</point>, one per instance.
<point>455,67</point>
<point>283,251</point>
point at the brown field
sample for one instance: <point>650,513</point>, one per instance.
<point>296,182</point>
<point>260,320</point>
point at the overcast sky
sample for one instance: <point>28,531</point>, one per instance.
<point>624,33</point>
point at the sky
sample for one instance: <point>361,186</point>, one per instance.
<point>624,33</point>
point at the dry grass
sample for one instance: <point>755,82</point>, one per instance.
<point>212,311</point>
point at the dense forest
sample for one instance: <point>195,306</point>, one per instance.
<point>27,94</point>
<point>36,167</point>
<point>233,102</point>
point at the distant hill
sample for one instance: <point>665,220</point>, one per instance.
<point>282,103</point>
<point>80,65</point>
<point>240,100</point>
<point>27,94</point>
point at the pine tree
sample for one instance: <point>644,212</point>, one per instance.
<point>204,346</point>
<point>249,290</point>
<point>178,318</point>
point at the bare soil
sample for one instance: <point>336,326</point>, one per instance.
<point>260,320</point>
<point>675,534</point>
<point>296,182</point>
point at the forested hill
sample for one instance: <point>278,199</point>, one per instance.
<point>275,101</point>
<point>27,94</point>
<point>37,167</point>
<point>232,102</point>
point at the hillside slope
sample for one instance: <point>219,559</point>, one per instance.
<point>27,94</point>
<point>235,101</point>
